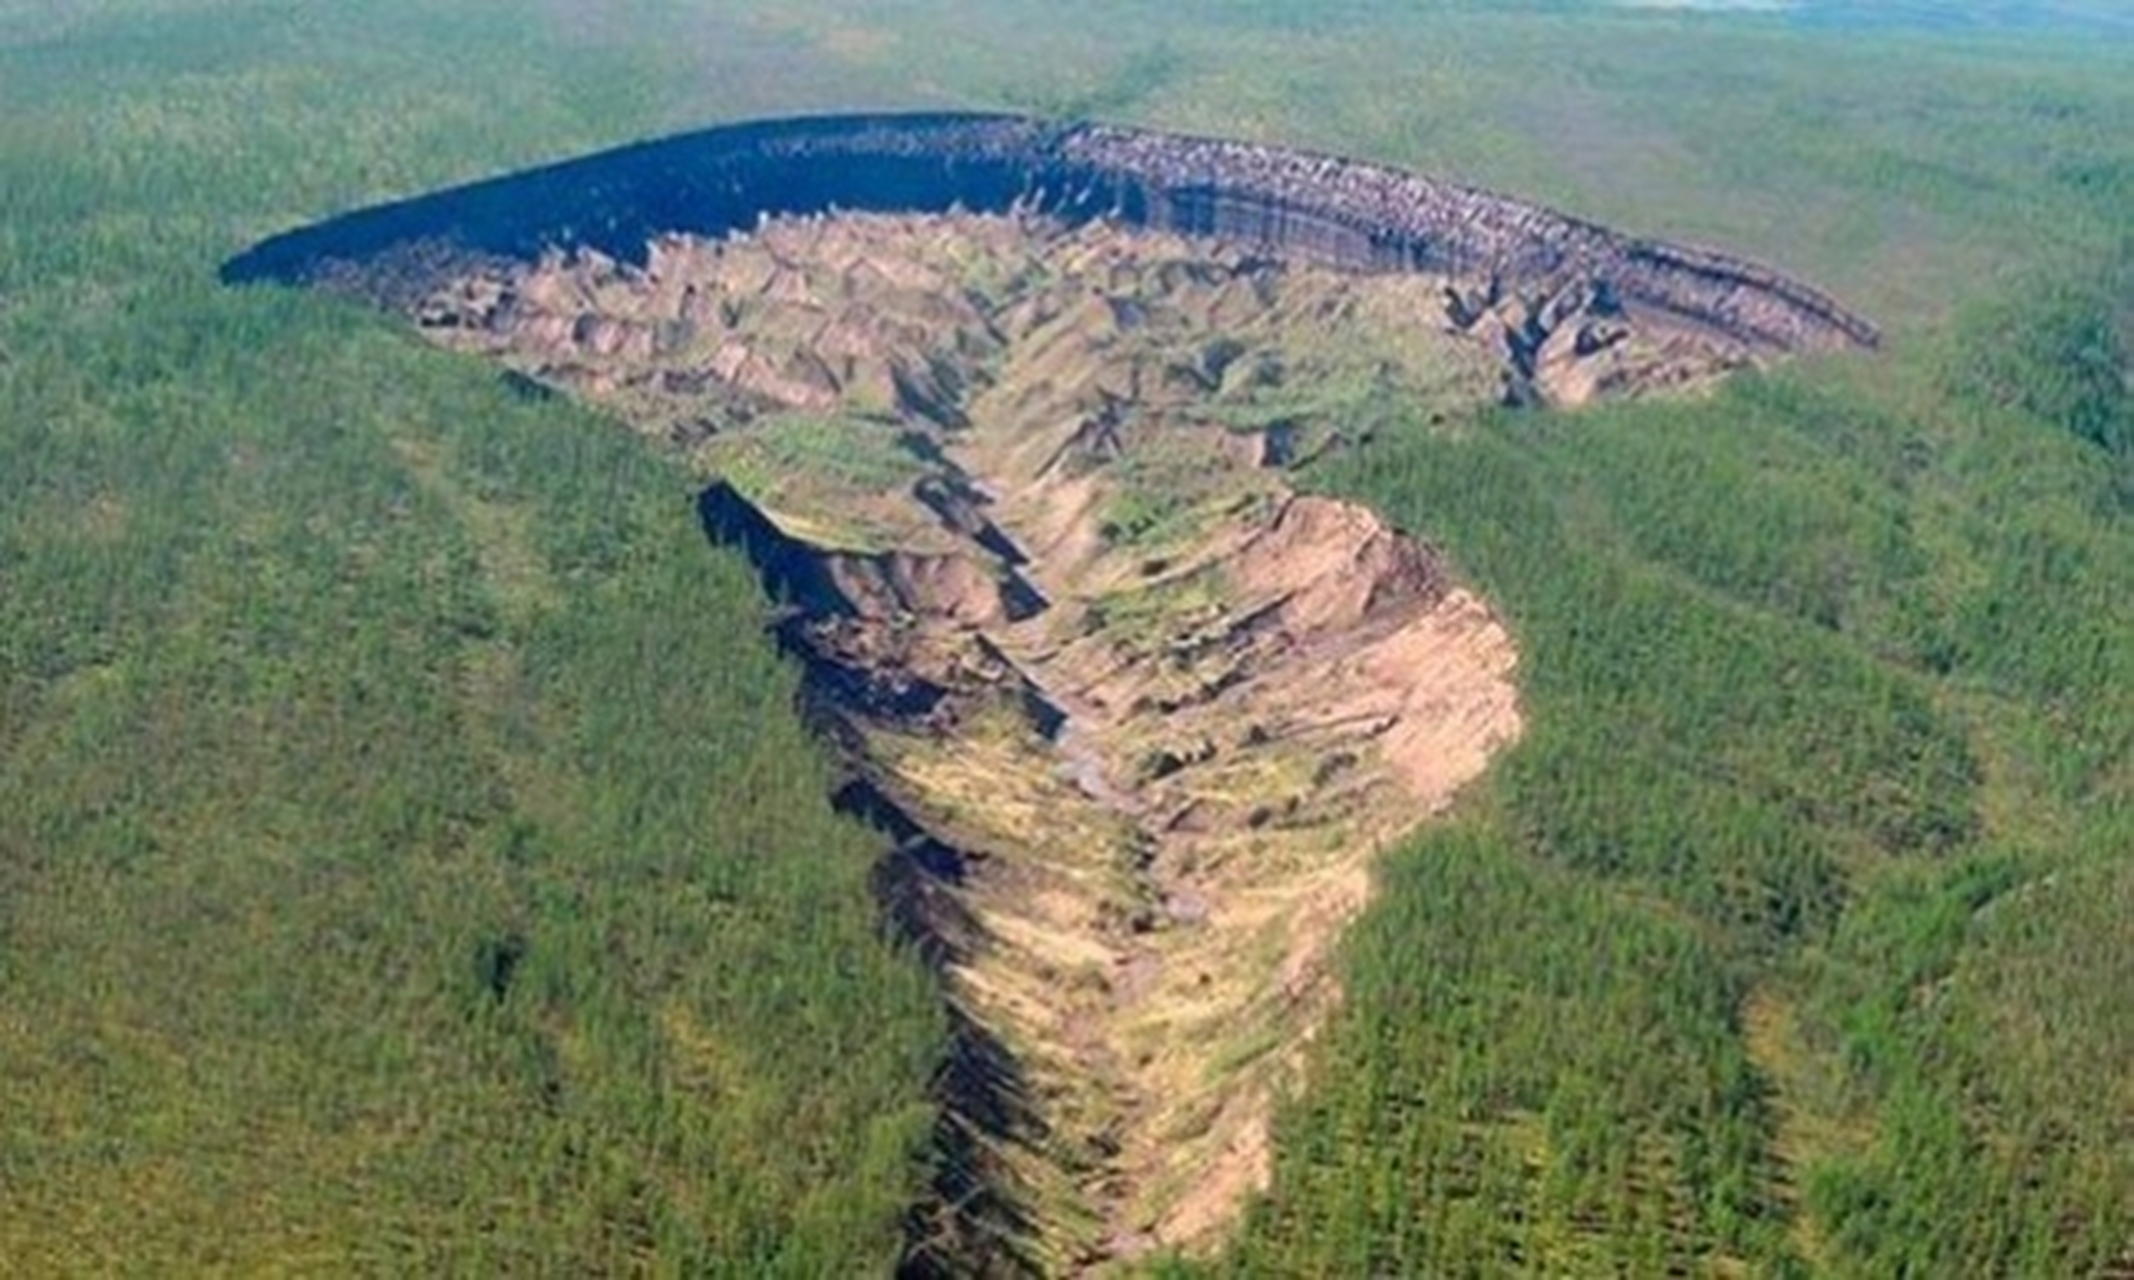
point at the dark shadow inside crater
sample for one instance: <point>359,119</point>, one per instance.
<point>1289,204</point>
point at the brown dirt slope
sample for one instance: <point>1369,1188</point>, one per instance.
<point>1138,714</point>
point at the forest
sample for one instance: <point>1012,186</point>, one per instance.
<point>412,859</point>
<point>1795,931</point>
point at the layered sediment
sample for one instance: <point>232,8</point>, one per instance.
<point>1295,204</point>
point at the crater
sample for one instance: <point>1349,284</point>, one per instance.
<point>1010,416</point>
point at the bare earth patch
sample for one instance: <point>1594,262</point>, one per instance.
<point>1139,714</point>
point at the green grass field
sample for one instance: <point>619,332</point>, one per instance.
<point>410,861</point>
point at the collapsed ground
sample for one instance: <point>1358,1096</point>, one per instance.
<point>1138,714</point>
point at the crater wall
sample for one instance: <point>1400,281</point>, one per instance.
<point>1137,715</point>
<point>1295,205</point>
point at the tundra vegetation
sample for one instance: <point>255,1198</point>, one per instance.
<point>410,859</point>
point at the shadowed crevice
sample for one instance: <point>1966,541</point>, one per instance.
<point>972,1220</point>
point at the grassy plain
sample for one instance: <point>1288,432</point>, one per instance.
<point>408,860</point>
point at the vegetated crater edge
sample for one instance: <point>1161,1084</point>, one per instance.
<point>1012,432</point>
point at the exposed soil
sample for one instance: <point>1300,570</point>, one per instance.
<point>1137,714</point>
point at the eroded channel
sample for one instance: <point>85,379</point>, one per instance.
<point>1135,713</point>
